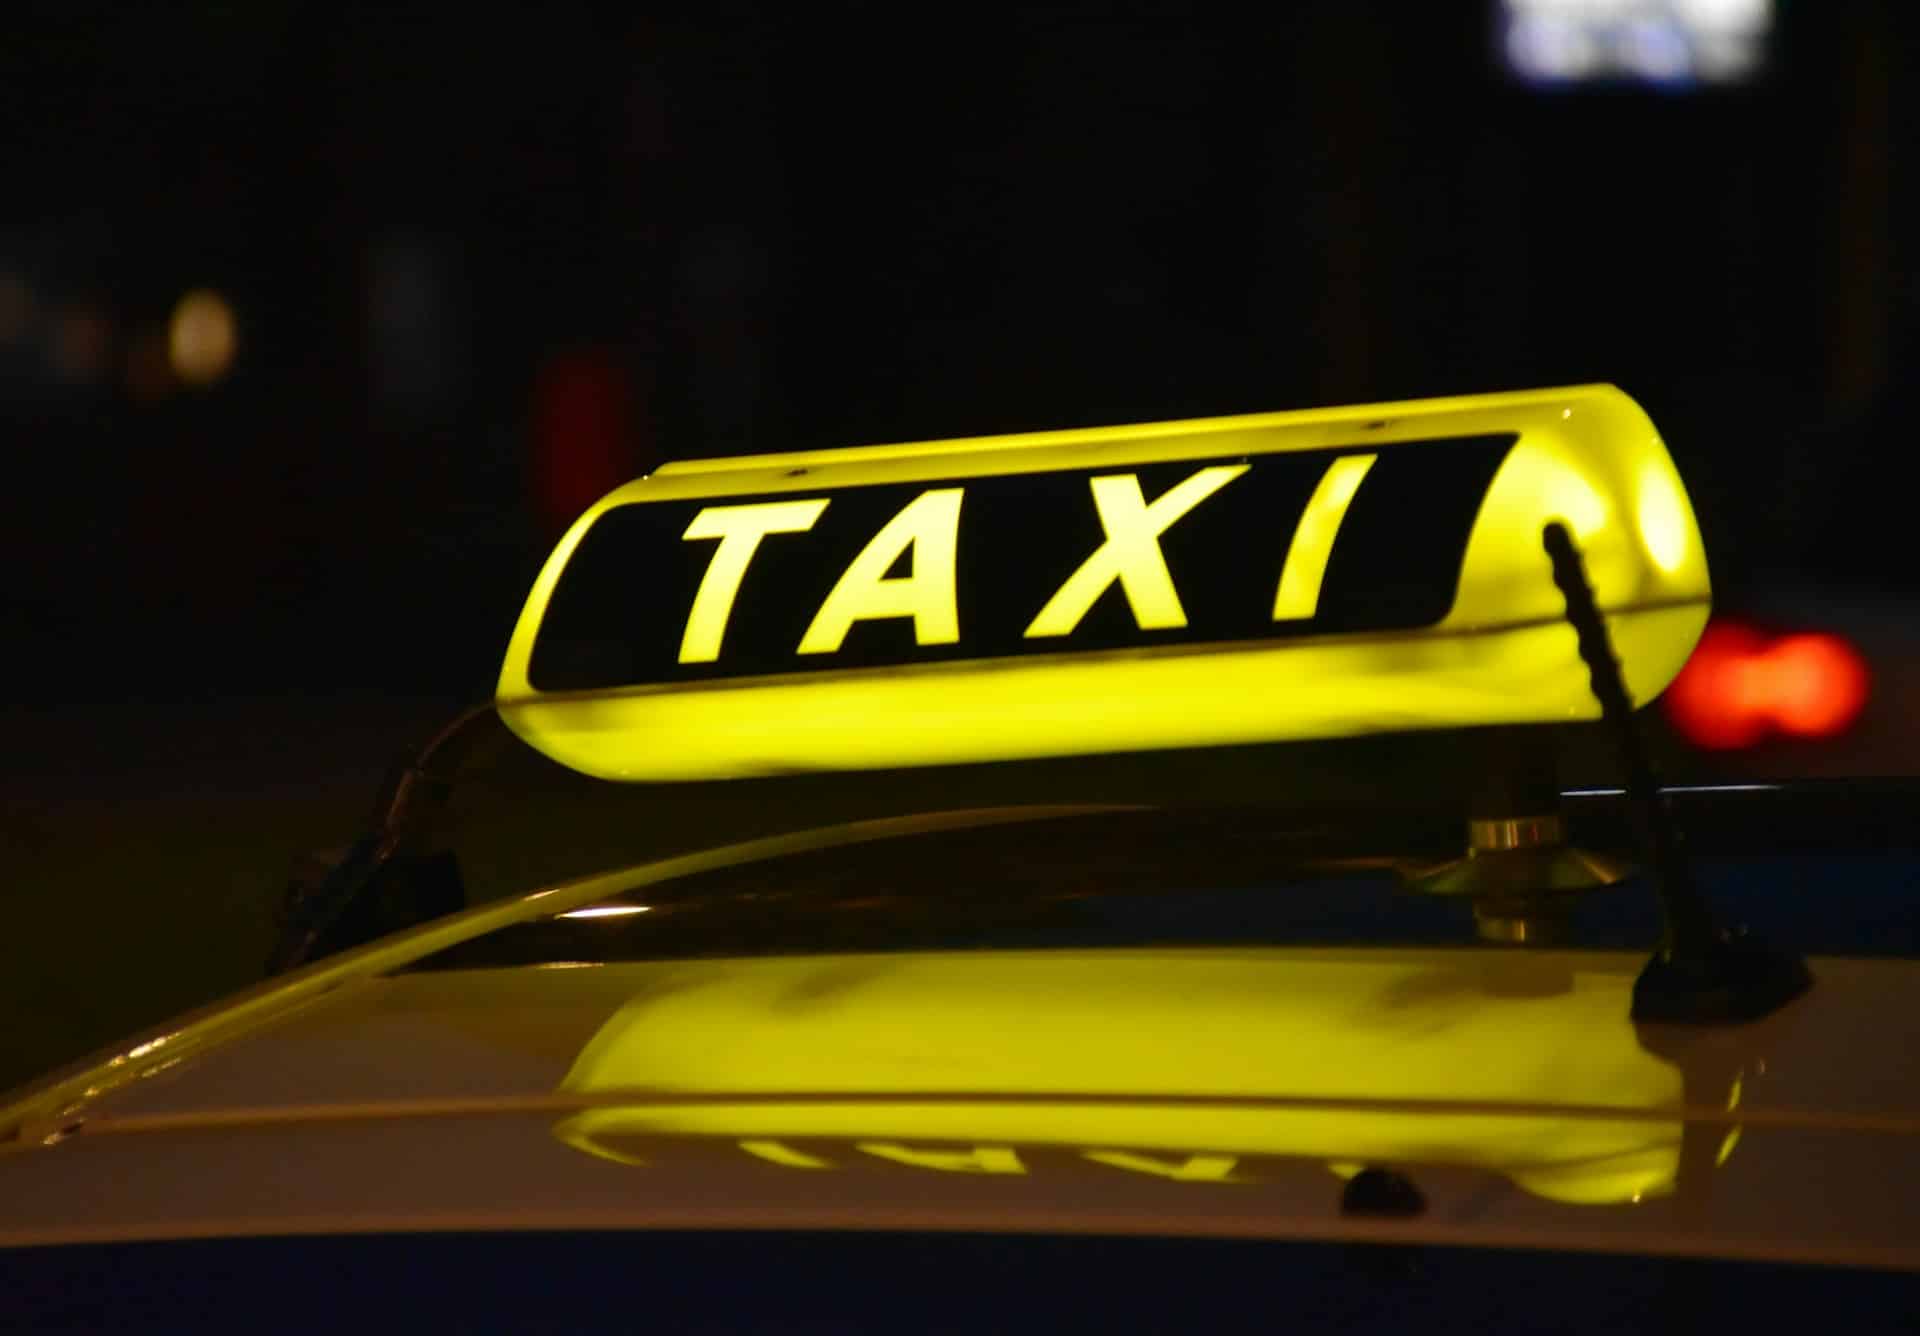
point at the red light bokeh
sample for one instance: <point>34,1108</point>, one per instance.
<point>1739,687</point>
<point>583,434</point>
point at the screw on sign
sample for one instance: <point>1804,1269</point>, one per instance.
<point>1740,687</point>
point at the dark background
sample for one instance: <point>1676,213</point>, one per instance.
<point>488,262</point>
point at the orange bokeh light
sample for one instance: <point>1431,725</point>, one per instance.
<point>1738,687</point>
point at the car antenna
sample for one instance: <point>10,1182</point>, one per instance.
<point>1702,974</point>
<point>333,911</point>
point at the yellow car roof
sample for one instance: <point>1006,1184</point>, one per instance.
<point>1205,1090</point>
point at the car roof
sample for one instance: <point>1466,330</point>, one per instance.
<point>1212,1089</point>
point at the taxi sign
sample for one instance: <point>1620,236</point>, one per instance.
<point>1228,580</point>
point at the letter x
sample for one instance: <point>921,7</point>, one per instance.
<point>1131,553</point>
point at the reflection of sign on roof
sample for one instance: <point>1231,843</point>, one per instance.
<point>1162,1063</point>
<point>1232,580</point>
<point>1633,1173</point>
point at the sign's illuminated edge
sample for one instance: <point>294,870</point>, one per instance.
<point>1398,420</point>
<point>1585,455</point>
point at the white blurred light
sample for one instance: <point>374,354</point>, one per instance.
<point>1724,14</point>
<point>1726,58</point>
<point>605,911</point>
<point>1656,51</point>
<point>1550,49</point>
<point>1641,41</point>
<point>202,338</point>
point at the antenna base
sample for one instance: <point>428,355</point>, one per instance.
<point>1732,979</point>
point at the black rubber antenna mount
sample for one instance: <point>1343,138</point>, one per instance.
<point>1702,973</point>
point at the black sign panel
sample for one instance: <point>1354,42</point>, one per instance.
<point>620,610</point>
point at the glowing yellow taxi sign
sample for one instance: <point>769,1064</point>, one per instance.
<point>1289,575</point>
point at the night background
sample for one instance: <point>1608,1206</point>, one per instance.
<point>483,265</point>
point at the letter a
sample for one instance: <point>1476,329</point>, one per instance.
<point>930,526</point>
